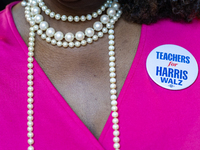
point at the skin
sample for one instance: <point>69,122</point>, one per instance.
<point>81,75</point>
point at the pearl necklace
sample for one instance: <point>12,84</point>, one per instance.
<point>58,38</point>
<point>34,28</point>
<point>70,18</point>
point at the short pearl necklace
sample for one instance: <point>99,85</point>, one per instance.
<point>39,26</point>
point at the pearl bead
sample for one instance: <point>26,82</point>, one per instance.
<point>115,18</point>
<point>33,3</point>
<point>76,19</point>
<point>31,39</point>
<point>30,134</point>
<point>116,139</point>
<point>30,71</point>
<point>104,30</point>
<point>47,12</point>
<point>100,34</point>
<point>109,26</point>
<point>113,102</point>
<point>58,36</point>
<point>113,91</point>
<point>50,32</point>
<point>103,8</point>
<point>52,14</point>
<point>30,123</point>
<point>30,141</point>
<point>114,108</point>
<point>114,114</point>
<point>113,86</point>
<point>41,4</point>
<point>30,59</point>
<point>35,10</point>
<point>30,118</point>
<point>112,80</point>
<point>69,37</point>
<point>30,129</point>
<point>39,1</point>
<point>111,31</point>
<point>30,112</point>
<point>57,16</point>
<point>44,8</point>
<point>30,148</point>
<point>30,100</point>
<point>94,15</point>
<point>111,53</point>
<point>32,23</point>
<point>83,42</point>
<point>112,69</point>
<point>97,26</point>
<point>30,94</point>
<point>115,5</point>
<point>104,19</point>
<point>43,36</point>
<point>23,3</point>
<point>111,42</point>
<point>59,43</point>
<point>116,133</point>
<point>99,11</point>
<point>30,65</point>
<point>115,121</point>
<point>89,40</point>
<point>39,32</point>
<point>112,64</point>
<point>30,77</point>
<point>89,17</point>
<point>111,37</point>
<point>31,54</point>
<point>80,35</point>
<point>30,83</point>
<point>64,18</point>
<point>36,27</point>
<point>70,18</point>
<point>116,146</point>
<point>115,126</point>
<point>48,39</point>
<point>71,44</point>
<point>89,32</point>
<point>44,25</point>
<point>111,48</point>
<point>112,58</point>
<point>112,21</point>
<point>53,42</point>
<point>30,89</point>
<point>65,44</point>
<point>77,44</point>
<point>112,75</point>
<point>83,18</point>
<point>95,37</point>
<point>111,12</point>
<point>113,97</point>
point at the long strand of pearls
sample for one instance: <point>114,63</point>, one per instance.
<point>113,88</point>
<point>30,88</point>
<point>70,18</point>
<point>35,28</point>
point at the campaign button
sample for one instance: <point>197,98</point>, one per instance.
<point>172,67</point>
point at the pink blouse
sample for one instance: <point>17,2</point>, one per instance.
<point>151,117</point>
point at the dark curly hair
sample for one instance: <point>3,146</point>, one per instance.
<point>150,11</point>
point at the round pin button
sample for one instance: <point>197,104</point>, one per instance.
<point>172,67</point>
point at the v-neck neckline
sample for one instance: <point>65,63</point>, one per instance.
<point>61,100</point>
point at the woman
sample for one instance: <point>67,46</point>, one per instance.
<point>69,82</point>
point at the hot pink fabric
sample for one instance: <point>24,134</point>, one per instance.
<point>151,117</point>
